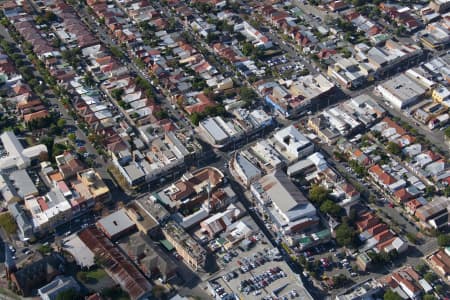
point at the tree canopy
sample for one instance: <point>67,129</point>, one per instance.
<point>346,235</point>
<point>391,295</point>
<point>443,240</point>
<point>318,194</point>
<point>394,148</point>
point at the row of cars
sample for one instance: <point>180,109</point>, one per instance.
<point>277,61</point>
<point>248,263</point>
<point>13,250</point>
<point>261,281</point>
<point>219,291</point>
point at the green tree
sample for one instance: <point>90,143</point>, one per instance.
<point>346,235</point>
<point>394,148</point>
<point>116,52</point>
<point>247,94</point>
<point>443,240</point>
<point>440,289</point>
<point>61,123</point>
<point>318,194</point>
<point>430,277</point>
<point>195,118</point>
<point>331,208</point>
<point>247,48</point>
<point>117,94</point>
<point>421,269</point>
<point>161,114</point>
<point>72,137</point>
<point>391,295</point>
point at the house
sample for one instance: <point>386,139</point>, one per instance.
<point>440,261</point>
<point>412,205</point>
<point>366,221</point>
<point>337,5</point>
<point>381,177</point>
<point>401,196</point>
<point>199,103</point>
<point>407,279</point>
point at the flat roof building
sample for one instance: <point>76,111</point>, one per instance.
<point>292,144</point>
<point>401,91</point>
<point>16,156</point>
<point>116,224</point>
<point>192,252</point>
<point>288,207</point>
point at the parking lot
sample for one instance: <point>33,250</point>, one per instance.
<point>257,273</point>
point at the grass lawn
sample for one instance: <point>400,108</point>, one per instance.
<point>8,223</point>
<point>91,277</point>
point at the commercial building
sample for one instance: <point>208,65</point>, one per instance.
<point>116,264</point>
<point>166,156</point>
<point>293,97</point>
<point>367,290</point>
<point>348,72</point>
<point>94,184</point>
<point>193,253</point>
<point>16,157</point>
<point>145,222</point>
<point>220,132</point>
<point>149,258</point>
<point>434,214</point>
<point>440,6</point>
<point>292,144</point>
<point>116,225</point>
<point>288,208</point>
<point>435,36</point>
<point>245,170</point>
<point>24,225</point>
<point>401,91</point>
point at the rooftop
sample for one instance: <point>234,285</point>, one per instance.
<point>116,223</point>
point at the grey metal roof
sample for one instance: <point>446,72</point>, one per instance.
<point>247,167</point>
<point>23,183</point>
<point>116,222</point>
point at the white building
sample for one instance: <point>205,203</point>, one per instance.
<point>401,91</point>
<point>245,169</point>
<point>292,144</point>
<point>16,157</point>
<point>285,204</point>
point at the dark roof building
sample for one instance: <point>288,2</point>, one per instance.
<point>37,274</point>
